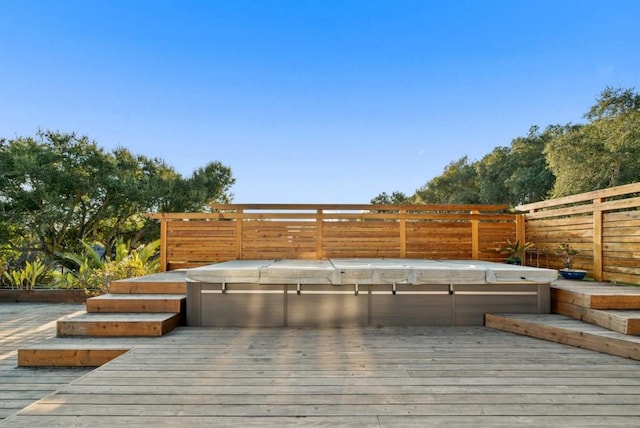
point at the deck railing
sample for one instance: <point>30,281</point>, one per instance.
<point>604,225</point>
<point>311,231</point>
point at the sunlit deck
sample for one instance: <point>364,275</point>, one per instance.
<point>389,377</point>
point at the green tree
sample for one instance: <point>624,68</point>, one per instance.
<point>58,190</point>
<point>396,198</point>
<point>531,179</point>
<point>517,174</point>
<point>493,172</point>
<point>456,185</point>
<point>602,153</point>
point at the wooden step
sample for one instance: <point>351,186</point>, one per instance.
<point>137,303</point>
<point>77,351</point>
<point>67,357</point>
<point>596,295</point>
<point>172,282</point>
<point>568,331</point>
<point>119,324</point>
<point>622,321</point>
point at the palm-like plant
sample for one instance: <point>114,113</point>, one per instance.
<point>514,250</point>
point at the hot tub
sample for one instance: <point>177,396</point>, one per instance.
<point>362,292</point>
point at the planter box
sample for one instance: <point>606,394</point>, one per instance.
<point>43,296</point>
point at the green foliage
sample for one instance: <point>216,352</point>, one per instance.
<point>27,277</point>
<point>93,273</point>
<point>605,152</point>
<point>457,185</point>
<point>566,253</point>
<point>517,174</point>
<point>514,250</point>
<point>58,190</point>
<point>396,198</point>
<point>559,161</point>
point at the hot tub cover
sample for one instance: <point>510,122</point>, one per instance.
<point>367,271</point>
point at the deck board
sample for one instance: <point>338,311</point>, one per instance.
<point>24,324</point>
<point>400,376</point>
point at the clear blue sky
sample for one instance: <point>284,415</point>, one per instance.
<point>310,101</point>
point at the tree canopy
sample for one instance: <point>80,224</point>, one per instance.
<point>557,161</point>
<point>604,152</point>
<point>58,190</point>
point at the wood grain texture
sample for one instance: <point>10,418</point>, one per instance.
<point>401,376</point>
<point>302,231</point>
<point>23,325</point>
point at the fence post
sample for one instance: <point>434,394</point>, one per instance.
<point>239,220</point>
<point>597,239</point>
<point>319,234</point>
<point>475,235</point>
<point>403,233</point>
<point>521,230</point>
<point>163,244</point>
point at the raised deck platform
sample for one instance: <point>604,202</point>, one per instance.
<point>568,331</point>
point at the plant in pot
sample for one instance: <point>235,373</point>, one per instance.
<point>514,251</point>
<point>566,253</point>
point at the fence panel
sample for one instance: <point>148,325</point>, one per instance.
<point>274,231</point>
<point>604,225</point>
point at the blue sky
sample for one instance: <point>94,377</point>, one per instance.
<point>310,101</point>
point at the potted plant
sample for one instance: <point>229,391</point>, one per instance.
<point>514,251</point>
<point>566,253</point>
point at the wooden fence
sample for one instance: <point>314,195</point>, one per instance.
<point>604,225</point>
<point>304,231</point>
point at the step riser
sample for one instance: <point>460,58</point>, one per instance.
<point>117,328</point>
<point>579,339</point>
<point>135,306</point>
<point>67,357</point>
<point>597,317</point>
<point>621,301</point>
<point>123,287</point>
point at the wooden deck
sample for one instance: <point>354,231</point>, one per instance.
<point>22,324</point>
<point>380,377</point>
<point>369,377</point>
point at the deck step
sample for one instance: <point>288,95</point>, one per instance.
<point>76,351</point>
<point>137,303</point>
<point>622,321</point>
<point>596,295</point>
<point>568,331</point>
<point>67,357</point>
<point>173,282</point>
<point>118,324</point>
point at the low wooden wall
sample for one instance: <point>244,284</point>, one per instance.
<point>305,231</point>
<point>604,225</point>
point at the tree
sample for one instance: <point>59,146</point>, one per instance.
<point>531,180</point>
<point>457,185</point>
<point>58,190</point>
<point>605,152</point>
<point>493,172</point>
<point>396,198</point>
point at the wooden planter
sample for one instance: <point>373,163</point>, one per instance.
<point>43,296</point>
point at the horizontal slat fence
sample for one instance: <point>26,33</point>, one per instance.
<point>604,225</point>
<point>304,231</point>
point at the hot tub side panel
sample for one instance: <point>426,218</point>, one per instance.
<point>237,305</point>
<point>410,305</point>
<point>327,306</point>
